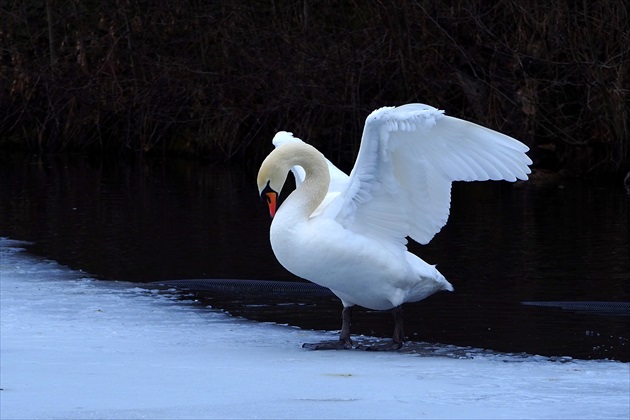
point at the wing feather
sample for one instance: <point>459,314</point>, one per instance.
<point>401,183</point>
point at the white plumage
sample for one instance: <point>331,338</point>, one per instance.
<point>348,233</point>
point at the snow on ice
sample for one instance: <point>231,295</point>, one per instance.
<point>75,347</point>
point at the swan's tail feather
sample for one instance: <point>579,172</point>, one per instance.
<point>445,285</point>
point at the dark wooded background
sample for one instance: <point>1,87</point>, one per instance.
<point>216,79</point>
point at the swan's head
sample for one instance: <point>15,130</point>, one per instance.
<point>270,187</point>
<point>274,169</point>
<point>271,178</point>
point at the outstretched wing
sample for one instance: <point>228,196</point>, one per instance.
<point>401,183</point>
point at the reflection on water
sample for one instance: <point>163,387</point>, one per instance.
<point>153,220</point>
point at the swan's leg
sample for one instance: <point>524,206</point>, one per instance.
<point>399,335</point>
<point>344,341</point>
<point>346,322</point>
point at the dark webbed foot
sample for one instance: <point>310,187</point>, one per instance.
<point>398,339</point>
<point>344,342</point>
<point>329,345</point>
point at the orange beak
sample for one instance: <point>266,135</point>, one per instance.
<point>272,198</point>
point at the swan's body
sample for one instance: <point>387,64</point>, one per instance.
<point>348,233</point>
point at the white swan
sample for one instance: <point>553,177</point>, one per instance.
<point>348,233</point>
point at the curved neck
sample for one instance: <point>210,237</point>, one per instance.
<point>302,202</point>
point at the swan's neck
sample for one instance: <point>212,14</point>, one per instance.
<point>302,202</point>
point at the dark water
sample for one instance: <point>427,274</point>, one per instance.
<point>154,220</point>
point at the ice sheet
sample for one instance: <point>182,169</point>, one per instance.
<point>75,347</point>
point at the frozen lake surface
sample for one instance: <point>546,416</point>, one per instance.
<point>76,347</point>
